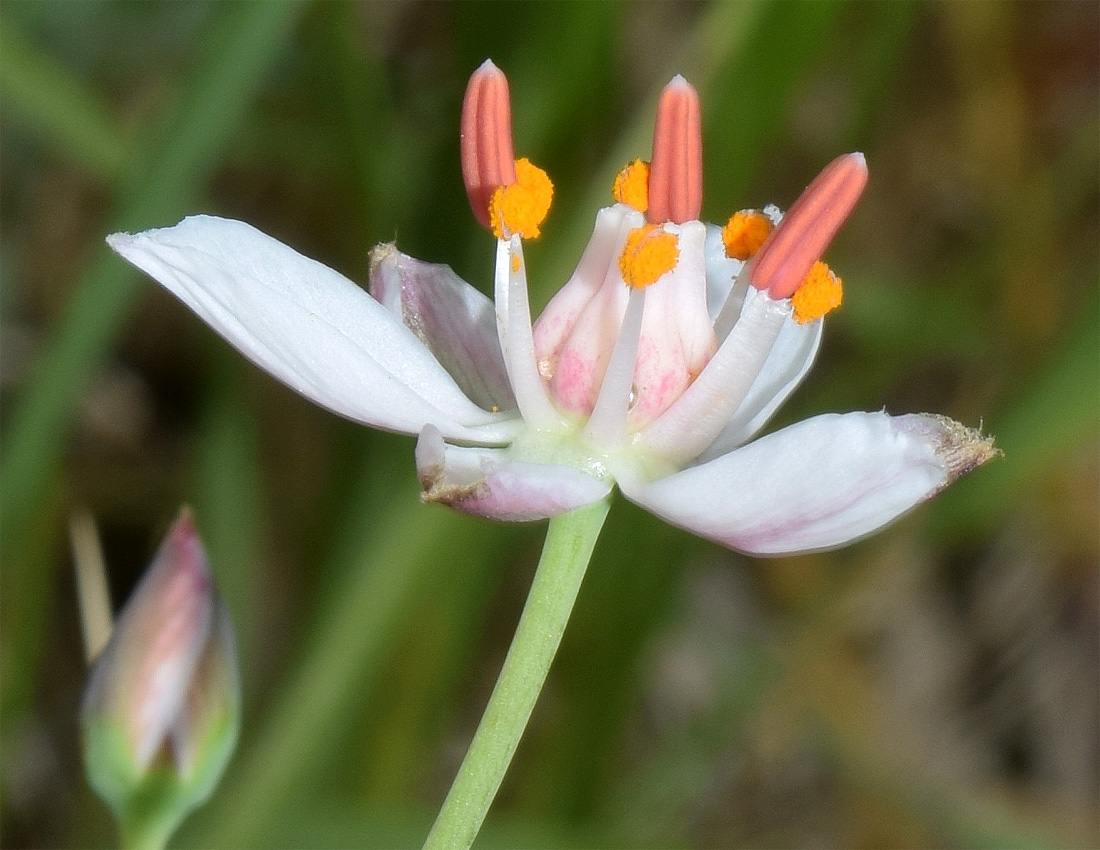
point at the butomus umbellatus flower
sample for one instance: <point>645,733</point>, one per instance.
<point>661,357</point>
<point>162,706</point>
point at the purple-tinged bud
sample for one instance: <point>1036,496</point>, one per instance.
<point>162,706</point>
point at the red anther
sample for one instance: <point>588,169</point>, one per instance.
<point>809,226</point>
<point>488,161</point>
<point>676,168</point>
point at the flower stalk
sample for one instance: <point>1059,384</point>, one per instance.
<point>566,552</point>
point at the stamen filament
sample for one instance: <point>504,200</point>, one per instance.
<point>809,226</point>
<point>696,418</point>
<point>488,161</point>
<point>730,311</point>
<point>676,169</point>
<point>516,338</point>
<point>606,427</point>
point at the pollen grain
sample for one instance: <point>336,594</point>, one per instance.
<point>819,293</point>
<point>521,206</point>
<point>632,185</point>
<point>745,232</point>
<point>649,253</point>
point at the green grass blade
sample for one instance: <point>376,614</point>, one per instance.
<point>67,115</point>
<point>239,53</point>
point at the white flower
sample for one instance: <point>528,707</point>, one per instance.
<point>666,351</point>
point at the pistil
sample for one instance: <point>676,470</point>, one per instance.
<point>676,170</point>
<point>808,227</point>
<point>488,160</point>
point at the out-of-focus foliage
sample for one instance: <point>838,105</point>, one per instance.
<point>935,685</point>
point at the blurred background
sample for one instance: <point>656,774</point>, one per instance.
<point>933,686</point>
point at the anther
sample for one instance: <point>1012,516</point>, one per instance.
<point>632,185</point>
<point>649,253</point>
<point>486,138</point>
<point>676,169</point>
<point>745,232</point>
<point>819,293</point>
<point>809,226</point>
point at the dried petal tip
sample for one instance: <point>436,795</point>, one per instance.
<point>961,449</point>
<point>676,169</point>
<point>486,138</point>
<point>809,226</point>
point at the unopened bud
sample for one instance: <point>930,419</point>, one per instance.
<point>162,707</point>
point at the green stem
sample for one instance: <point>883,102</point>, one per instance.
<point>147,833</point>
<point>565,555</point>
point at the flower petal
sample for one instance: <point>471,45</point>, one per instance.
<point>818,484</point>
<point>489,483</point>
<point>456,322</point>
<point>309,326</point>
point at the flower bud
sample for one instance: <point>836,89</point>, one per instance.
<point>162,706</point>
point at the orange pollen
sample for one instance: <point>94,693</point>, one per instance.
<point>521,206</point>
<point>745,232</point>
<point>649,253</point>
<point>676,167</point>
<point>819,293</point>
<point>632,185</point>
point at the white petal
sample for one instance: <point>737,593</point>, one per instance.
<point>456,322</point>
<point>307,325</point>
<point>489,483</point>
<point>818,484</point>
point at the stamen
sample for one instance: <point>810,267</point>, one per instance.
<point>486,138</point>
<point>649,253</point>
<point>676,169</point>
<point>516,340</point>
<point>745,232</point>
<point>520,207</point>
<point>632,185</point>
<point>606,427</point>
<point>698,416</point>
<point>820,293</point>
<point>809,226</point>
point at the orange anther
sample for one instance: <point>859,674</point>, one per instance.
<point>809,226</point>
<point>676,169</point>
<point>649,253</point>
<point>745,232</point>
<point>819,293</point>
<point>632,185</point>
<point>521,206</point>
<point>486,138</point>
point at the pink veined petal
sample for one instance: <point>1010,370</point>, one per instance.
<point>456,322</point>
<point>560,315</point>
<point>817,484</point>
<point>676,339</point>
<point>309,326</point>
<point>489,483</point>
